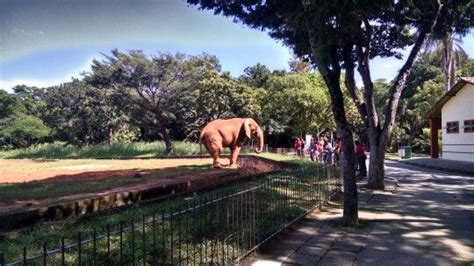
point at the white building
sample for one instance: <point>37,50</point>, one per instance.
<point>454,114</point>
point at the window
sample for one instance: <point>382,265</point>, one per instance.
<point>469,126</point>
<point>452,127</point>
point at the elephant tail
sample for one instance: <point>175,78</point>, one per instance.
<point>201,138</point>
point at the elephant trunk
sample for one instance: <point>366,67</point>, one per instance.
<point>259,135</point>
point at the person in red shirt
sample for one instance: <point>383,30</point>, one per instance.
<point>298,146</point>
<point>337,151</point>
<point>361,157</point>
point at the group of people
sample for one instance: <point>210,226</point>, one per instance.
<point>322,151</point>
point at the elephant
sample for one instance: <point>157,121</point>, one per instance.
<point>232,133</point>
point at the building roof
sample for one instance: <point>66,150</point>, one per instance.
<point>436,110</point>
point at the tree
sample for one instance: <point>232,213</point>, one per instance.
<point>212,98</point>
<point>298,103</point>
<point>256,76</point>
<point>25,130</point>
<point>449,46</point>
<point>425,86</point>
<point>30,97</point>
<point>344,35</point>
<point>81,114</point>
<point>10,105</point>
<point>152,84</point>
<point>299,65</point>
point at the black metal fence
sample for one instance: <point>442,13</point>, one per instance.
<point>220,229</point>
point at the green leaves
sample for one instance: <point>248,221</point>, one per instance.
<point>24,130</point>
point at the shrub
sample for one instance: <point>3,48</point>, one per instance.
<point>25,130</point>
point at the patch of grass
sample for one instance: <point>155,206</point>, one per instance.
<point>59,150</point>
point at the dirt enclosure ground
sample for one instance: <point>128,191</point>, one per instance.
<point>27,185</point>
<point>26,170</point>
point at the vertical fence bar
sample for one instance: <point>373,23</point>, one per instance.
<point>25,261</point>
<point>109,258</point>
<point>79,247</point>
<point>153,228</point>
<point>94,248</point>
<point>133,241</point>
<point>163,247</point>
<point>121,243</point>
<point>232,225</point>
<point>228,225</point>
<point>320,179</point>
<point>62,252</point>
<point>188,213</point>
<point>178,245</point>
<point>249,219</point>
<point>143,240</point>
<point>2,258</point>
<point>171,236</point>
<point>240,218</point>
<point>201,222</point>
<point>206,209</point>
<point>254,222</point>
<point>45,253</point>
<point>194,232</point>
<point>211,209</point>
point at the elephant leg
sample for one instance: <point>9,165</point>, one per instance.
<point>234,153</point>
<point>215,149</point>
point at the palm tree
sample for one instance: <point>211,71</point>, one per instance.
<point>449,46</point>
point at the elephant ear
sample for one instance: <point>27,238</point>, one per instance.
<point>246,127</point>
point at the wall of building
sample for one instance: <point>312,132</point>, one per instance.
<point>458,146</point>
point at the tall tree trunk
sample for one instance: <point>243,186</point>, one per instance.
<point>165,133</point>
<point>376,167</point>
<point>331,72</point>
<point>379,133</point>
<point>350,206</point>
<point>448,58</point>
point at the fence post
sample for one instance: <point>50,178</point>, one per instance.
<point>144,239</point>
<point>79,247</point>
<point>2,258</point>
<point>45,253</point>
<point>133,241</point>
<point>121,242</point>
<point>94,248</point>
<point>62,251</point>
<point>109,258</point>
<point>25,261</point>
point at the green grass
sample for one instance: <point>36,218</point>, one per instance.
<point>58,150</point>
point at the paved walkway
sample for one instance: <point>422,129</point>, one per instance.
<point>465,168</point>
<point>427,220</point>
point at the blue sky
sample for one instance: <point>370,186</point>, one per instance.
<point>45,42</point>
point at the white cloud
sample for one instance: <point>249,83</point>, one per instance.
<point>8,84</point>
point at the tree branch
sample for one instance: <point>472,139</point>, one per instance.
<point>399,83</point>
<point>363,47</point>
<point>349,81</point>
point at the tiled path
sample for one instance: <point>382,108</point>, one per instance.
<point>428,220</point>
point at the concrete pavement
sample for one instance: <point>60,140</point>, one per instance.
<point>460,167</point>
<point>427,220</point>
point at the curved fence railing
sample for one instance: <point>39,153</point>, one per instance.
<point>220,229</point>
